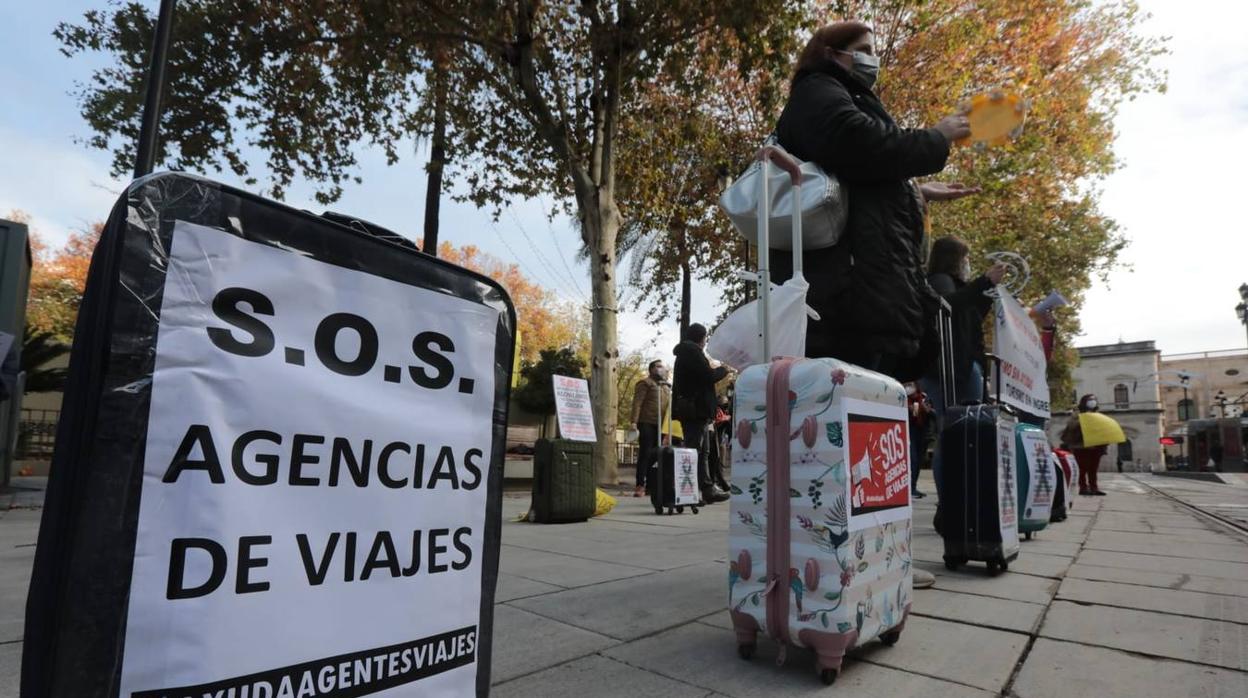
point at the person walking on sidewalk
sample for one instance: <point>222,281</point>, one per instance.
<point>693,402</point>
<point>920,429</point>
<point>647,396</point>
<point>1088,458</point>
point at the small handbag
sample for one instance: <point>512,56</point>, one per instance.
<point>823,205</point>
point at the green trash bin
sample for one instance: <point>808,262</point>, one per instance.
<point>563,481</point>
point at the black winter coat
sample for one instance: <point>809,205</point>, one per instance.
<point>869,288</point>
<point>693,384</point>
<point>969,307</point>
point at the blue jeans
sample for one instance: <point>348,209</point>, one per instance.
<point>972,390</point>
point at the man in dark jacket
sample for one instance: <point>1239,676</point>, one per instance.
<point>869,288</point>
<point>693,401</point>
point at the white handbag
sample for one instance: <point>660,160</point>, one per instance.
<point>822,204</point>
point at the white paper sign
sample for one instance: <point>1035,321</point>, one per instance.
<point>1036,453</point>
<point>1023,370</point>
<point>576,414</point>
<point>315,482</point>
<point>1007,481</point>
<point>686,464</point>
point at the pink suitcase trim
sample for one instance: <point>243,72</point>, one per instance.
<point>778,477</point>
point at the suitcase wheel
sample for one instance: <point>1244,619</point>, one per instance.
<point>693,509</point>
<point>828,676</point>
<point>680,510</point>
<point>891,637</point>
<point>995,567</point>
<point>952,563</point>
<point>746,652</point>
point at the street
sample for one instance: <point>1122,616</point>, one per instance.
<point>1136,594</point>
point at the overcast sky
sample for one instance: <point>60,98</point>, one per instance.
<point>1179,198</point>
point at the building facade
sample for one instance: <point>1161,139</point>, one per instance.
<point>1123,377</point>
<point>1206,405</point>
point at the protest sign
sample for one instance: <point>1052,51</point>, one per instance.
<point>1023,368</point>
<point>293,486</point>
<point>878,455</point>
<point>576,414</point>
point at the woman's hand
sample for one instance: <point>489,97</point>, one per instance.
<point>954,127</point>
<point>939,191</point>
<point>1045,319</point>
<point>996,272</point>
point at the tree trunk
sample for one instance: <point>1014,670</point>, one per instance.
<point>685,291</point>
<point>603,225</point>
<point>437,161</point>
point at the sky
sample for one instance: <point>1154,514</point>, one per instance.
<point>1177,198</point>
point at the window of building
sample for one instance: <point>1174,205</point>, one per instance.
<point>1186,408</point>
<point>1122,397</point>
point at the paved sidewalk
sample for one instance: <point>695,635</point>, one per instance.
<point>1135,595</point>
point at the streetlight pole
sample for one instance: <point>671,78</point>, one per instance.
<point>149,130</point>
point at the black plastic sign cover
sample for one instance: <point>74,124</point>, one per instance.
<point>279,465</point>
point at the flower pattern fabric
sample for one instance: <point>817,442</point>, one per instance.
<point>840,580</point>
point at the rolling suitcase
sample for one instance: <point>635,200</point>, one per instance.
<point>1058,513</point>
<point>1035,479</point>
<point>978,513</point>
<point>563,481</point>
<point>978,508</point>
<point>1070,469</point>
<point>673,479</point>
<point>820,518</point>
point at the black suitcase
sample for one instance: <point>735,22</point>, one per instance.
<point>661,480</point>
<point>979,501</point>
<point>662,483</point>
<point>83,584</point>
<point>1059,494</point>
<point>563,481</point>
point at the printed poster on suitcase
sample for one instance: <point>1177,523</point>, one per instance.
<point>878,454</point>
<point>1036,452</point>
<point>312,516</point>
<point>1006,479</point>
<point>686,464</point>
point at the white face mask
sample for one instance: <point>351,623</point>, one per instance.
<point>910,389</point>
<point>966,270</point>
<point>1092,404</point>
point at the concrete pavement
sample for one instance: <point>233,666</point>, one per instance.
<point>1137,594</point>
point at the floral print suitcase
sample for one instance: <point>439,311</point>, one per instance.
<point>820,510</point>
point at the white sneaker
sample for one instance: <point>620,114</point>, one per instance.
<point>923,579</point>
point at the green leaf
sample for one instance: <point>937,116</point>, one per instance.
<point>823,618</point>
<point>824,398</point>
<point>832,595</point>
<point>754,600</point>
<point>844,627</point>
<point>734,489</point>
<point>862,566</point>
<point>794,493</point>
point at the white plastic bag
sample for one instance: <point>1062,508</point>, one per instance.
<point>735,341</point>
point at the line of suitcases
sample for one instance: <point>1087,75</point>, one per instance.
<point>820,514</point>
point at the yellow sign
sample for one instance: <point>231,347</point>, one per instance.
<point>515,362</point>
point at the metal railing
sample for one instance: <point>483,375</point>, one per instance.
<point>36,433</point>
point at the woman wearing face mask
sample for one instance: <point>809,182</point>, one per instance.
<point>949,273</point>
<point>869,288</point>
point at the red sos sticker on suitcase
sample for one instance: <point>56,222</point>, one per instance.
<point>878,452</point>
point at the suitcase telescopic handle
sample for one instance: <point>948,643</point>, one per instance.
<point>767,155</point>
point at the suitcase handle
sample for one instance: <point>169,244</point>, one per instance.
<point>767,155</point>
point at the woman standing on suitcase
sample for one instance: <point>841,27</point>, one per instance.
<point>870,288</point>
